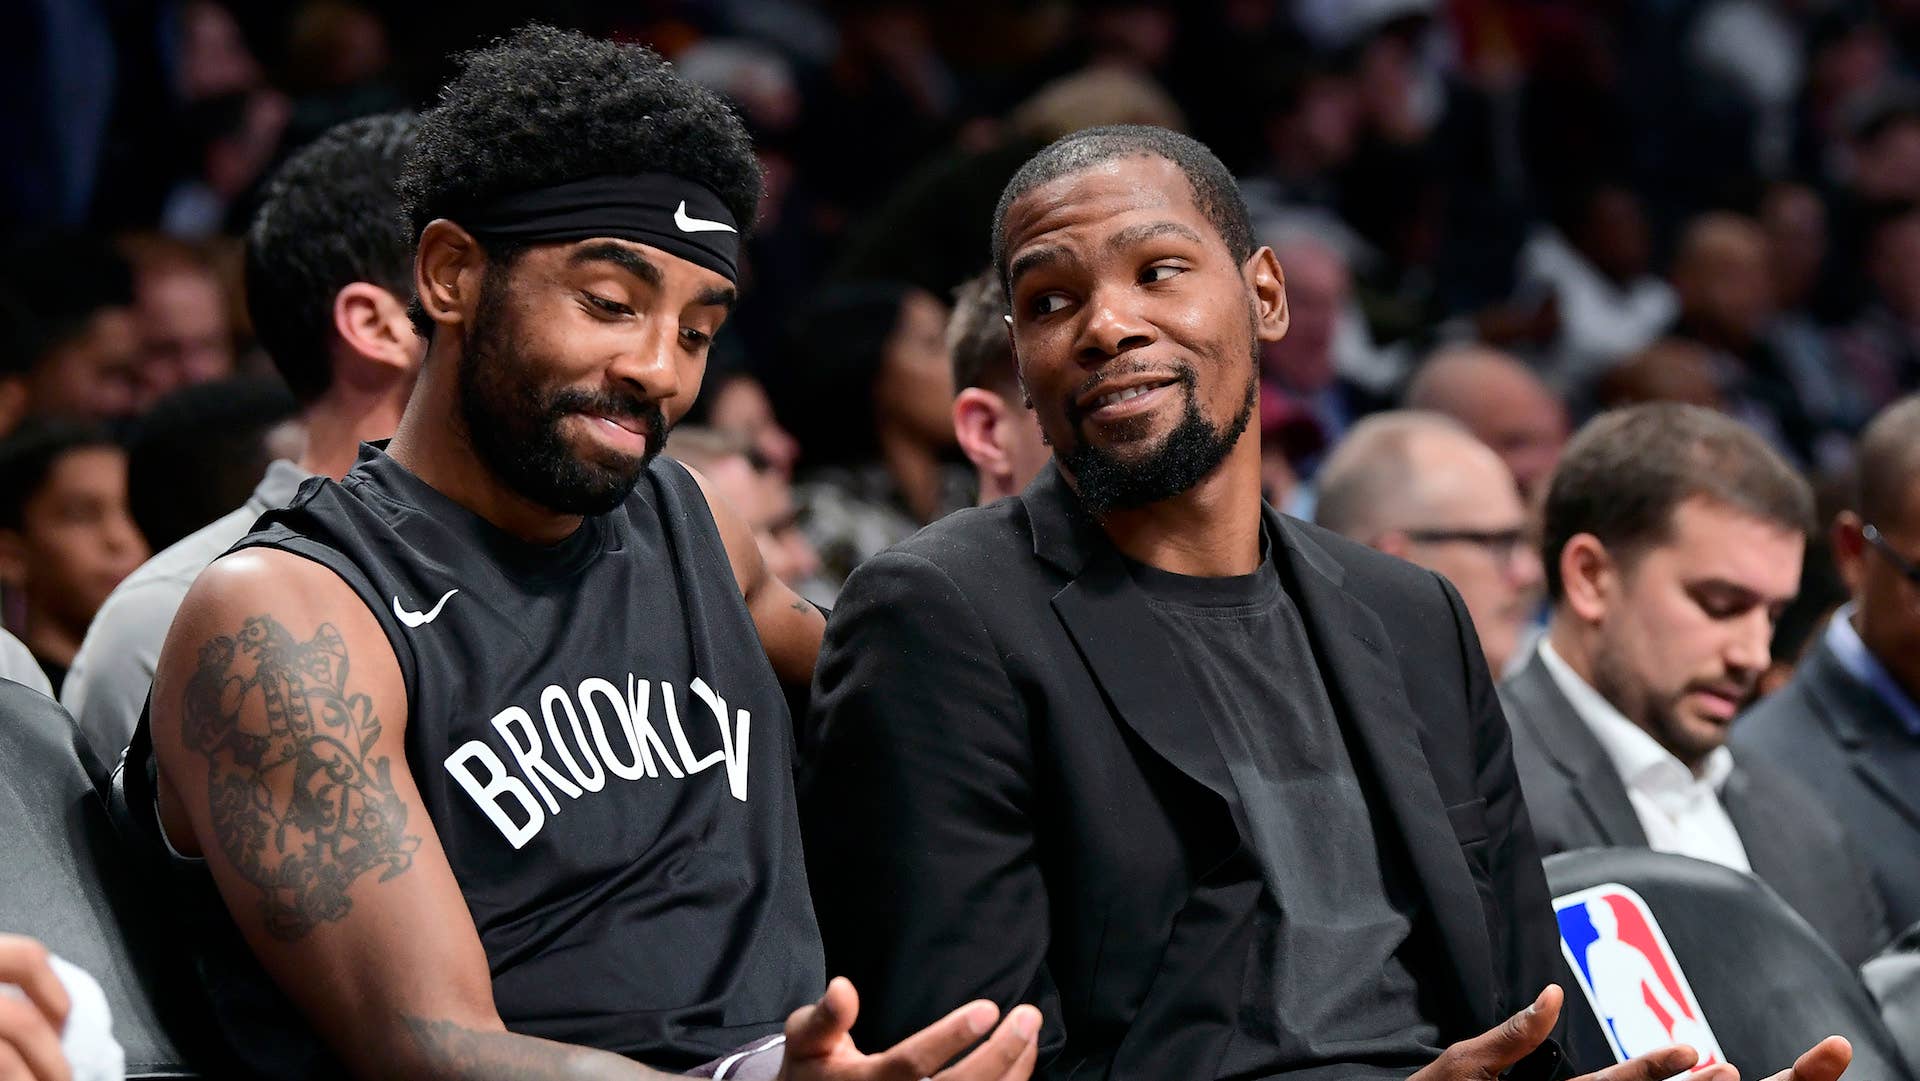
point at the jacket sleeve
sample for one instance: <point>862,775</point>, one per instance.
<point>916,806</point>
<point>1527,943</point>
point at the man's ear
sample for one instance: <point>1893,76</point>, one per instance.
<point>979,423</point>
<point>373,325</point>
<point>1589,577</point>
<point>447,271</point>
<point>1269,285</point>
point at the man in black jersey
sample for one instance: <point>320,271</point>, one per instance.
<point>485,747</point>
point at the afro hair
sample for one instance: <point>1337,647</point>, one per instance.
<point>543,106</point>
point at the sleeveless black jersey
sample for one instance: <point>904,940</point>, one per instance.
<point>603,750</point>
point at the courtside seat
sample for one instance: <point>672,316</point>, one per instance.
<point>65,881</point>
<point>1894,979</point>
<point>1767,984</point>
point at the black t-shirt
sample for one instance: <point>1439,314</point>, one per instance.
<point>604,752</point>
<point>1329,988</point>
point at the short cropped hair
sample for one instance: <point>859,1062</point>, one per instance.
<point>52,284</point>
<point>1625,473</point>
<point>1889,464</point>
<point>1215,191</point>
<point>28,456</point>
<point>977,336</point>
<point>1373,470</point>
<point>543,106</point>
<point>215,433</point>
<point>330,217</point>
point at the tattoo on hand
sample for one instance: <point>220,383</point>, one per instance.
<point>343,817</point>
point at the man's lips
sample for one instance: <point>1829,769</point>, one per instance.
<point>1118,397</point>
<point>628,433</point>
<point>1721,701</point>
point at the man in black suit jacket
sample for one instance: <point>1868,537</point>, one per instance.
<point>1849,723</point>
<point>1226,794</point>
<point>1672,537</point>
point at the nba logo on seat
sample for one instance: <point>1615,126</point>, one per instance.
<point>1629,974</point>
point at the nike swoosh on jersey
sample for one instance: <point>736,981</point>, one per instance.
<point>698,225</point>
<point>415,619</point>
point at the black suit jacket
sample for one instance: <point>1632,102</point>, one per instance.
<point>1793,843</point>
<point>1835,734</point>
<point>1011,798</point>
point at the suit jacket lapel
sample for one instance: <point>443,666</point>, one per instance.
<point>1576,752</point>
<point>1351,646</point>
<point>1885,757</point>
<point>1107,617</point>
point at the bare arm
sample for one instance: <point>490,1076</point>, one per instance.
<point>279,718</point>
<point>790,628</point>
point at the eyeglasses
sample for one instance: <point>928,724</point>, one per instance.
<point>1907,568</point>
<point>1502,544</point>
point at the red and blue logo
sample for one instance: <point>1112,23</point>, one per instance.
<point>1629,974</point>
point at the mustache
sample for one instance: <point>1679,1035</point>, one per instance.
<point>618,406</point>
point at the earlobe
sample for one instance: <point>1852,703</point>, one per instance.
<point>978,419</point>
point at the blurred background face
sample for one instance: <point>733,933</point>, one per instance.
<point>741,409</point>
<point>1887,602</point>
<point>94,375</point>
<point>1795,222</point>
<point>1614,235</point>
<point>1895,265</point>
<point>914,387</point>
<point>764,500</point>
<point>77,539</point>
<point>1470,527</point>
<point>185,335</point>
<point>1317,290</point>
<point>1687,624</point>
<point>1723,279</point>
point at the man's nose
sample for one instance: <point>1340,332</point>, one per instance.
<point>1112,326</point>
<point>650,363</point>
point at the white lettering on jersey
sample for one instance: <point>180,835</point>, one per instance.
<point>587,751</point>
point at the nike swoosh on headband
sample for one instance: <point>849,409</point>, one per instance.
<point>698,225</point>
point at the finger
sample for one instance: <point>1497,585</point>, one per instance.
<point>24,962</point>
<point>1825,1061</point>
<point>996,1058</point>
<point>27,1031</point>
<point>920,1054</point>
<point>1022,1067</point>
<point>814,1030</point>
<point>1498,1048</point>
<point>1653,1066</point>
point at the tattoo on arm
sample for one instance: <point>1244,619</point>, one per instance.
<point>341,818</point>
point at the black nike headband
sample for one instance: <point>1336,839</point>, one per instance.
<point>679,216</point>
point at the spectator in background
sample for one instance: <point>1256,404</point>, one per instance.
<point>1596,260</point>
<point>871,403</point>
<point>1421,487</point>
<point>329,270</point>
<point>71,348</point>
<point>199,452</point>
<point>1880,351</point>
<point>1502,403</point>
<point>1721,278</point>
<point>233,120</point>
<point>1849,722</point>
<point>1672,540</point>
<point>185,320</point>
<point>733,401</point>
<point>1795,222</point>
<point>759,495</point>
<point>991,418</point>
<point>1669,370</point>
<point>1301,366</point>
<point>66,538</point>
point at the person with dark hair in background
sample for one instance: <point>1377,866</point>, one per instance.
<point>404,891</point>
<point>221,435</point>
<point>328,263</point>
<point>68,342</point>
<point>1672,540</point>
<point>991,418</point>
<point>1848,724</point>
<point>870,398</point>
<point>66,538</point>
<point>1227,794</point>
<point>733,400</point>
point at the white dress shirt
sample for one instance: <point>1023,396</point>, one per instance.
<point>1679,811</point>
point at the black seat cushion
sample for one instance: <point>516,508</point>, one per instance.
<point>65,881</point>
<point>1770,988</point>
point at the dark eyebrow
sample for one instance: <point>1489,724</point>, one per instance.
<point>1034,259</point>
<point>1135,234</point>
<point>719,296</point>
<point>625,258</point>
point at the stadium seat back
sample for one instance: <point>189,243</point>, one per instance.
<point>64,880</point>
<point>1768,986</point>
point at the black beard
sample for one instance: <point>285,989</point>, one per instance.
<point>514,427</point>
<point>1191,451</point>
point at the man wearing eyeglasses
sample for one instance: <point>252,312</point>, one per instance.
<point>1672,537</point>
<point>1419,486</point>
<point>1849,723</point>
